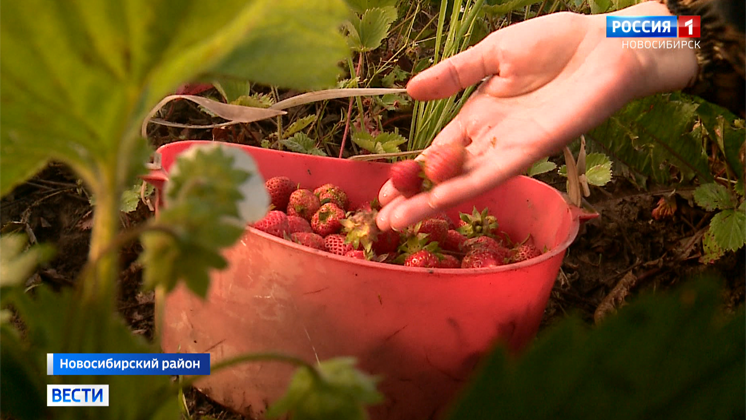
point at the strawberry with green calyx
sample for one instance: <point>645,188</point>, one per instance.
<point>327,220</point>
<point>454,241</point>
<point>435,228</point>
<point>449,261</point>
<point>308,239</point>
<point>478,224</point>
<point>336,244</point>
<point>298,224</point>
<point>274,222</point>
<point>407,177</point>
<point>444,161</point>
<point>303,203</point>
<point>422,259</point>
<point>360,229</point>
<point>330,193</point>
<point>279,189</point>
<point>414,244</point>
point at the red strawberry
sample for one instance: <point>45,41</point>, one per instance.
<point>327,220</point>
<point>454,241</point>
<point>336,244</point>
<point>423,258</point>
<point>436,229</point>
<point>330,193</point>
<point>444,161</point>
<point>481,242</point>
<point>275,223</point>
<point>447,219</point>
<point>298,224</point>
<point>279,189</point>
<point>405,175</point>
<point>481,258</point>
<point>356,253</point>
<point>449,261</point>
<point>309,239</point>
<point>386,242</point>
<point>525,252</point>
<point>303,203</point>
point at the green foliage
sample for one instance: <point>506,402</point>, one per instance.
<point>91,71</point>
<point>334,391</point>
<point>15,264</point>
<point>541,167</point>
<point>504,7</point>
<point>669,356</point>
<point>301,143</point>
<point>212,193</point>
<point>597,169</point>
<point>652,134</point>
<point>62,323</point>
<point>360,6</point>
<point>429,118</point>
<point>299,125</point>
<point>381,143</point>
<point>367,31</point>
<point>729,228</point>
<point>713,196</point>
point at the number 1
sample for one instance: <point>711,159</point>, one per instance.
<point>689,24</point>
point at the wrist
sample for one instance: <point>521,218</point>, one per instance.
<point>650,70</point>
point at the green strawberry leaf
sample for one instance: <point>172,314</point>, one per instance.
<point>257,100</point>
<point>60,322</point>
<point>17,262</point>
<point>361,6</point>
<point>299,125</point>
<point>597,169</point>
<point>711,251</point>
<point>713,197</point>
<point>671,356</point>
<point>91,71</point>
<point>301,143</point>
<point>337,392</point>
<point>541,167</point>
<point>212,193</point>
<point>729,229</point>
<point>599,6</point>
<point>233,90</point>
<point>368,31</point>
<point>131,197</point>
<point>505,7</point>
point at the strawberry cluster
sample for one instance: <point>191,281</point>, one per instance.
<point>323,219</point>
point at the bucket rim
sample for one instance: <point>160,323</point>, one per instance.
<point>575,213</point>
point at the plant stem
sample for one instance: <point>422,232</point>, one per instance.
<point>98,285</point>
<point>355,72</point>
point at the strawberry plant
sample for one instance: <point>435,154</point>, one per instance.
<point>79,81</point>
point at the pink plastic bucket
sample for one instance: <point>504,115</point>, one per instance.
<point>422,330</point>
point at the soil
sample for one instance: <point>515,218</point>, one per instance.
<point>615,257</point>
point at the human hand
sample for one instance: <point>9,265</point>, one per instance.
<point>550,79</point>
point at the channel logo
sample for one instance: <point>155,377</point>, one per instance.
<point>652,27</point>
<point>77,395</point>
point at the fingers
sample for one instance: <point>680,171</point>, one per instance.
<point>458,72</point>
